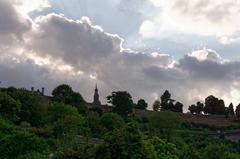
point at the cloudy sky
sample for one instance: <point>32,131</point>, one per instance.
<point>189,47</point>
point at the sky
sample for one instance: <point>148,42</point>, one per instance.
<point>145,47</point>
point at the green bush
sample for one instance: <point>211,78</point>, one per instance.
<point>19,143</point>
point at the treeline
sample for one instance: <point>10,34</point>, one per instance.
<point>214,106</point>
<point>211,106</point>
<point>32,127</point>
<point>167,103</point>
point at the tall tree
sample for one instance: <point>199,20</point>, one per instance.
<point>169,104</point>
<point>231,109</point>
<point>199,108</point>
<point>142,104</point>
<point>122,103</point>
<point>165,100</point>
<point>237,111</point>
<point>166,96</point>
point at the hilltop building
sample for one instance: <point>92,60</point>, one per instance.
<point>96,100</point>
<point>97,103</point>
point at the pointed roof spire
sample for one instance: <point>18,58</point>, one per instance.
<point>96,100</point>
<point>96,87</point>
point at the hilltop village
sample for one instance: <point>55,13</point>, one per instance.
<point>145,113</point>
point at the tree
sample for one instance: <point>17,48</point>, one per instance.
<point>141,104</point>
<point>122,103</point>
<point>9,107</point>
<point>58,111</point>
<point>230,109</point>
<point>178,107</point>
<point>192,108</point>
<point>237,111</point>
<point>92,122</point>
<point>78,102</point>
<point>70,124</point>
<point>166,96</point>
<point>214,106</point>
<point>166,101</point>
<point>163,149</point>
<point>16,143</point>
<point>124,143</point>
<point>33,106</point>
<point>196,109</point>
<point>129,143</point>
<point>111,121</point>
<point>156,105</point>
<point>64,93</point>
<point>199,108</point>
<point>72,147</point>
<point>34,111</point>
<point>169,104</point>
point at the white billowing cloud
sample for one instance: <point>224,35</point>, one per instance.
<point>206,54</point>
<point>27,6</point>
<point>221,17</point>
<point>56,49</point>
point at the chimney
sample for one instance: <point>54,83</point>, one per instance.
<point>42,91</point>
<point>32,89</point>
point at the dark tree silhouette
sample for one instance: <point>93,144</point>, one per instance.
<point>237,111</point>
<point>169,104</point>
<point>196,109</point>
<point>178,107</point>
<point>199,108</point>
<point>166,96</point>
<point>142,104</point>
<point>231,109</point>
<point>166,101</point>
<point>64,93</point>
<point>192,108</point>
<point>122,102</point>
<point>214,106</point>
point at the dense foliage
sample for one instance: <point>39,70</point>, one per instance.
<point>31,127</point>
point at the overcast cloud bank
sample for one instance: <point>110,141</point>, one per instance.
<point>54,49</point>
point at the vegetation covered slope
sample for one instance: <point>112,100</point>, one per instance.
<point>31,128</point>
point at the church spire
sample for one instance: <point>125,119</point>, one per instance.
<point>96,89</point>
<point>96,100</point>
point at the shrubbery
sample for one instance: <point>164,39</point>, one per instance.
<point>33,129</point>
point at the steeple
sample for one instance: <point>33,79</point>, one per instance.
<point>96,100</point>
